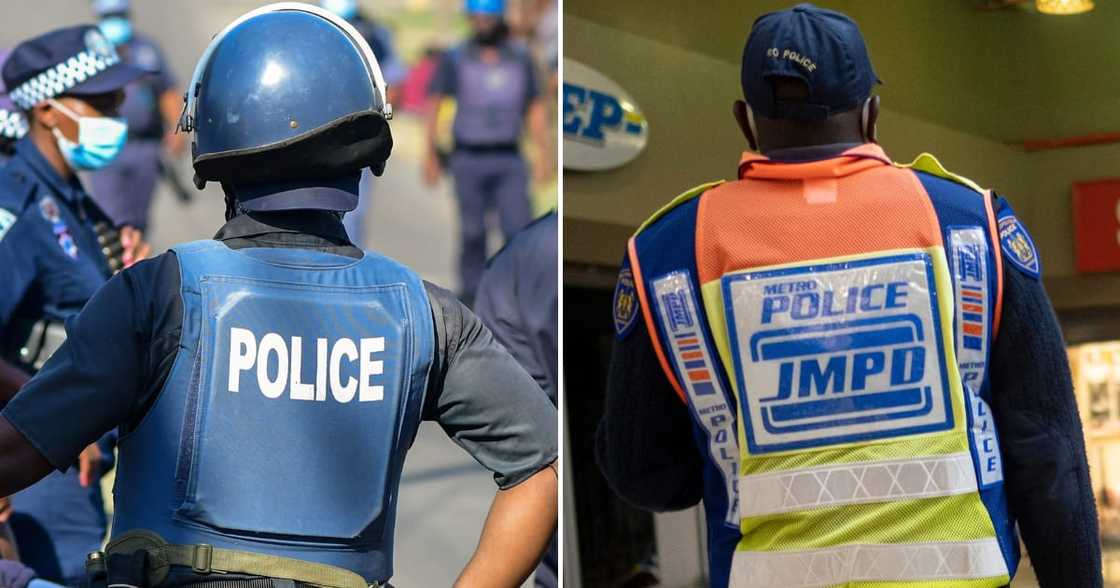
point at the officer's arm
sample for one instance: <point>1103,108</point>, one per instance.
<point>1040,434</point>
<point>100,378</point>
<point>21,465</point>
<point>520,523</point>
<point>491,408</point>
<point>644,444</point>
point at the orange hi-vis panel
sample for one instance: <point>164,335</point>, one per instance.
<point>834,318</point>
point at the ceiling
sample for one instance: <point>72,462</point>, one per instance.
<point>1008,74</point>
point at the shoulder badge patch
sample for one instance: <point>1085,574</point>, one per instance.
<point>7,221</point>
<point>1017,245</point>
<point>49,208</point>
<point>625,302</point>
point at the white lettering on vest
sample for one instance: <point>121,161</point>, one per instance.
<point>245,354</point>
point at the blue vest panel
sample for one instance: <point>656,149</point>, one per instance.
<point>283,425</point>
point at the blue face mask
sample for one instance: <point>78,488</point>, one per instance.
<point>117,29</point>
<point>100,140</point>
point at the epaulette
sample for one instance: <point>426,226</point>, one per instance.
<point>926,162</point>
<point>675,202</point>
<point>16,190</point>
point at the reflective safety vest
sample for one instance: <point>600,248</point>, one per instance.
<point>828,324</point>
<point>284,422</point>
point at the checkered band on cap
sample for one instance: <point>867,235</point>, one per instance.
<point>60,78</point>
<point>12,125</point>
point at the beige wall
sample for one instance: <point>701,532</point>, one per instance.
<point>693,139</point>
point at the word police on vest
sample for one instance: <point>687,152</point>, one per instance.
<point>246,353</point>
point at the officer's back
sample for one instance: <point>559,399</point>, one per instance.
<point>827,351</point>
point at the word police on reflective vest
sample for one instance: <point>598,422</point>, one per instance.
<point>251,358</point>
<point>845,372</point>
<point>836,352</point>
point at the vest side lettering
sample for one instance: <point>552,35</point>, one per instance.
<point>247,354</point>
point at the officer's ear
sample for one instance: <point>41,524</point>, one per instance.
<point>743,117</point>
<point>869,122</point>
<point>45,114</point>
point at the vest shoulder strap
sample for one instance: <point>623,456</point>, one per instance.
<point>675,202</point>
<point>926,162</point>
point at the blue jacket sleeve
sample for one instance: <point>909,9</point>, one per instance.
<point>17,258</point>
<point>644,445</point>
<point>1047,474</point>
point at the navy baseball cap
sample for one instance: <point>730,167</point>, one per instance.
<point>823,48</point>
<point>76,61</point>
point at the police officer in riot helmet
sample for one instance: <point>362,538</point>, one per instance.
<point>268,382</point>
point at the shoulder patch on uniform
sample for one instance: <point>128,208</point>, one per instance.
<point>1018,247</point>
<point>675,202</point>
<point>926,162</point>
<point>7,221</point>
<point>625,302</point>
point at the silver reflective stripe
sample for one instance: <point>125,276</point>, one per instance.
<point>905,562</point>
<point>854,483</point>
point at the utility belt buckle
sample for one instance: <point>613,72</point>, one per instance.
<point>202,557</point>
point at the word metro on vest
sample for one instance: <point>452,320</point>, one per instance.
<point>246,353</point>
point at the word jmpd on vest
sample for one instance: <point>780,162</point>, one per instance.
<point>245,354</point>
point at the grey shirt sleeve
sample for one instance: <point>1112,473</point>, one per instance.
<point>484,400</point>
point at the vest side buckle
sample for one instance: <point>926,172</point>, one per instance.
<point>201,558</point>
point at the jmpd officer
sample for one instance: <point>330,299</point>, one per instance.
<point>124,189</point>
<point>68,86</point>
<point>854,364</point>
<point>268,382</point>
<point>493,82</point>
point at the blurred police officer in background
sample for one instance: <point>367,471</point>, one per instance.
<point>380,40</point>
<point>494,84</point>
<point>151,106</point>
<point>825,349</point>
<point>269,382</point>
<point>518,299</point>
<point>68,85</point>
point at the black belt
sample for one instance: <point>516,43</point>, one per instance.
<point>489,148</point>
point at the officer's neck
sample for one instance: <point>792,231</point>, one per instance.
<point>48,147</point>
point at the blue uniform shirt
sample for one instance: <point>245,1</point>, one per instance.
<point>51,258</point>
<point>491,98</point>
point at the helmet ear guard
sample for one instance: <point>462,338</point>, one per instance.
<point>347,145</point>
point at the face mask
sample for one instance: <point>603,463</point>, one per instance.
<point>117,30</point>
<point>100,140</point>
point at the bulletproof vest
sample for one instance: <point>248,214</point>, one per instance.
<point>491,98</point>
<point>828,324</point>
<point>283,425</point>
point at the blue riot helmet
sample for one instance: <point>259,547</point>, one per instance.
<point>288,92</point>
<point>347,9</point>
<point>104,8</point>
<point>493,7</point>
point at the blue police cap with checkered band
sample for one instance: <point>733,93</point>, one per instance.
<point>76,61</point>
